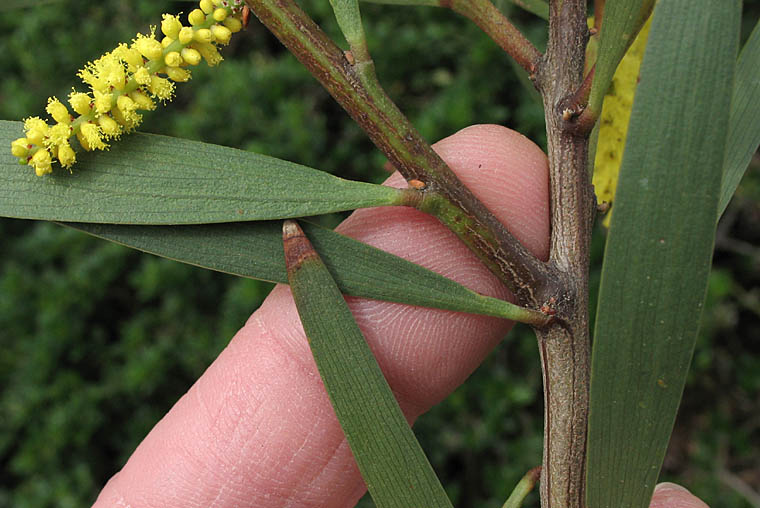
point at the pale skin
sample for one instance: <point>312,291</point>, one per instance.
<point>257,429</point>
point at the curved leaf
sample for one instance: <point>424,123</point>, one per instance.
<point>621,22</point>
<point>150,179</point>
<point>744,125</point>
<point>254,250</point>
<point>659,247</point>
<point>390,459</point>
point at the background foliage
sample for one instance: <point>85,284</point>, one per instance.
<point>99,341</point>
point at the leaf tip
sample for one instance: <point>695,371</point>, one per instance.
<point>296,246</point>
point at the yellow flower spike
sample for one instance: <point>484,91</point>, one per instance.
<point>173,59</point>
<point>170,26</point>
<point>41,162</point>
<point>66,155</point>
<point>207,6</point>
<point>58,111</point>
<point>20,148</point>
<point>220,14</point>
<point>129,78</point>
<point>196,17</point>
<point>222,34</point>
<point>186,35</point>
<point>191,56</point>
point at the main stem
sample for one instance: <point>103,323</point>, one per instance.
<point>565,345</point>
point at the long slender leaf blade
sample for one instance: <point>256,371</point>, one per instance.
<point>254,250</point>
<point>622,21</point>
<point>659,247</point>
<point>150,179</point>
<point>744,125</point>
<point>391,461</point>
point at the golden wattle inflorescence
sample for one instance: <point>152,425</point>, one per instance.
<point>125,81</point>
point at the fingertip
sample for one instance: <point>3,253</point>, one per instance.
<point>509,174</point>
<point>671,495</point>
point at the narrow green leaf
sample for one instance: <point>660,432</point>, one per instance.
<point>523,488</point>
<point>659,247</point>
<point>621,23</point>
<point>350,22</point>
<point>149,179</point>
<point>390,459</point>
<point>744,125</point>
<point>254,250</point>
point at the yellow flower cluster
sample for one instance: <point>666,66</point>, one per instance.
<point>613,123</point>
<point>127,80</point>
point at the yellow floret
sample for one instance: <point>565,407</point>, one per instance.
<point>41,162</point>
<point>66,155</point>
<point>58,111</point>
<point>170,26</point>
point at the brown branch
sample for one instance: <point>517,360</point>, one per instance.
<point>445,196</point>
<point>491,20</point>
<point>565,347</point>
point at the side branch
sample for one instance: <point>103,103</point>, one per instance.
<point>490,19</point>
<point>352,85</point>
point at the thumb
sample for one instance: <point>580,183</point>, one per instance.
<point>670,495</point>
<point>257,428</point>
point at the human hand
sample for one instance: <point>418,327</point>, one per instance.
<point>258,430</point>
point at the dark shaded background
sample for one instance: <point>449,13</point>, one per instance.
<point>98,341</point>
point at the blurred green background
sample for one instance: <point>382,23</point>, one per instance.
<point>98,341</point>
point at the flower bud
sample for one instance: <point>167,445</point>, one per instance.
<point>203,35</point>
<point>222,34</point>
<point>191,56</point>
<point>186,35</point>
<point>196,17</point>
<point>173,59</point>
<point>20,148</point>
<point>207,6</point>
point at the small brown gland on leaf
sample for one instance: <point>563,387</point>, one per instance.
<point>603,207</point>
<point>417,184</point>
<point>349,57</point>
